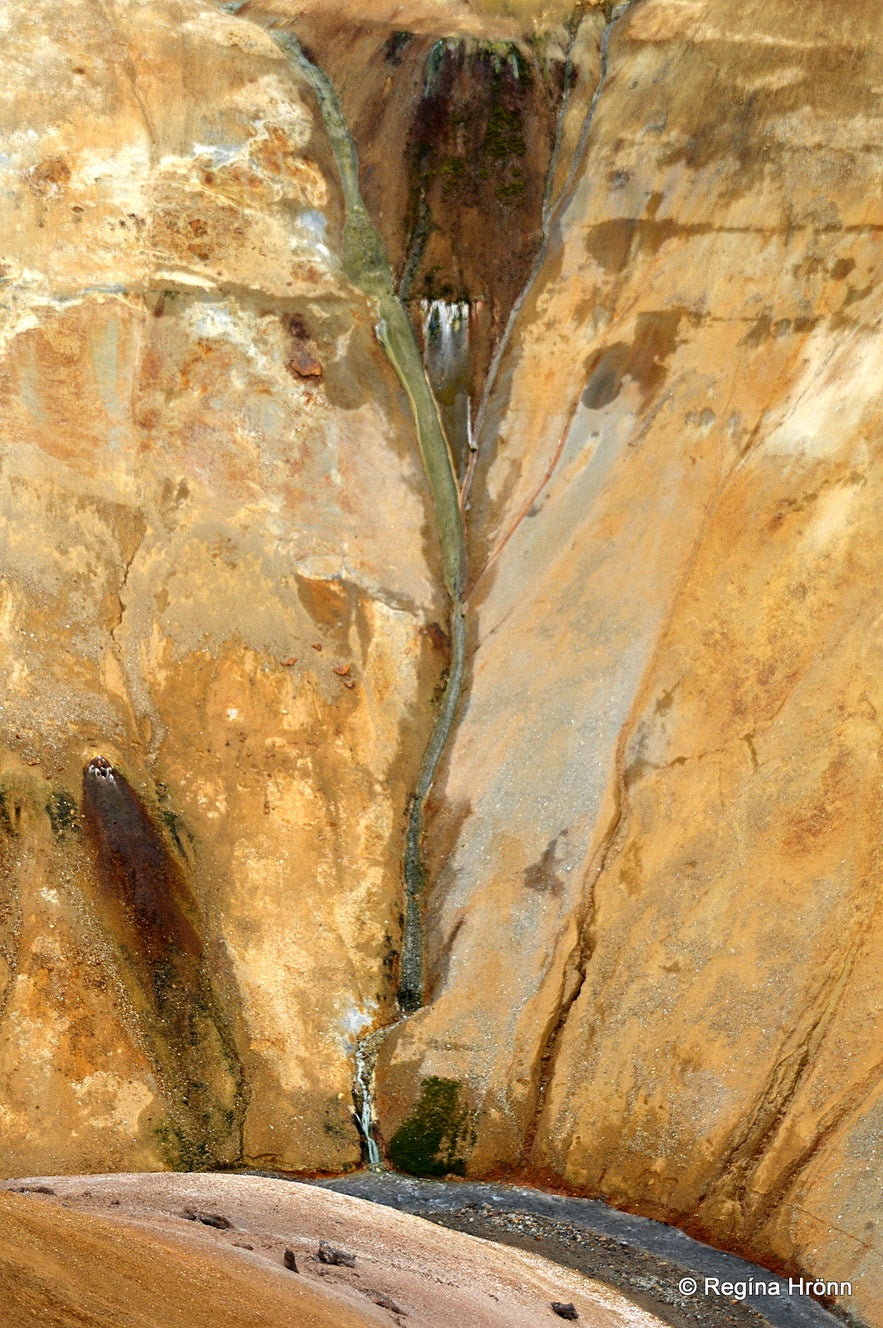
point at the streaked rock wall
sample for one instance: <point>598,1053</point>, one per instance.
<point>655,918</point>
<point>218,573</point>
<point>652,918</point>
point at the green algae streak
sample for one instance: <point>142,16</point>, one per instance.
<point>366,265</point>
<point>428,1143</point>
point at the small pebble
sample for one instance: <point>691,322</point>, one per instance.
<point>565,1310</point>
<point>383,1300</point>
<point>290,1261</point>
<point>328,1254</point>
<point>215,1220</point>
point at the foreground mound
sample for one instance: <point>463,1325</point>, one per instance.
<point>190,1250</point>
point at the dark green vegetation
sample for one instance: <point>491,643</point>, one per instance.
<point>467,155</point>
<point>428,1143</point>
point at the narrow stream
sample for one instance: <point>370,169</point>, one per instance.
<point>363,1098</point>
<point>444,364</point>
<point>366,265</point>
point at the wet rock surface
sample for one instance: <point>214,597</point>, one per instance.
<point>644,1259</point>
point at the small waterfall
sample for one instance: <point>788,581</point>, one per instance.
<point>364,1102</point>
<point>363,1095</point>
<point>445,326</point>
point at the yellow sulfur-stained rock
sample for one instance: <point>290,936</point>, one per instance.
<point>218,568</point>
<point>652,922</point>
<point>655,914</point>
<point>488,19</point>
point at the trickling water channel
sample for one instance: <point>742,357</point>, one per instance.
<point>363,1097</point>
<point>366,265</point>
<point>444,428</point>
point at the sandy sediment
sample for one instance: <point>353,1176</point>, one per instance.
<point>136,1251</point>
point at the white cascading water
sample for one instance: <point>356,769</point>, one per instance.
<point>445,330</point>
<point>366,1054</point>
<point>445,325</point>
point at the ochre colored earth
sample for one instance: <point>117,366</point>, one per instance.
<point>652,916</point>
<point>121,1252</point>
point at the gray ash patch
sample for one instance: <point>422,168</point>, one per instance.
<point>648,1281</point>
<point>643,1259</point>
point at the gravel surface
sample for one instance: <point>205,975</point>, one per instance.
<point>645,1260</point>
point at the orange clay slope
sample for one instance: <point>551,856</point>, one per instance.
<point>60,1268</point>
<point>121,1252</point>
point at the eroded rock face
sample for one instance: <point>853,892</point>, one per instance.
<point>652,918</point>
<point>455,117</point>
<point>219,569</point>
<point>494,20</point>
<point>654,921</point>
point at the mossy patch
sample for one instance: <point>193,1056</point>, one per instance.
<point>468,154</point>
<point>63,813</point>
<point>504,135</point>
<point>430,1142</point>
<point>9,823</point>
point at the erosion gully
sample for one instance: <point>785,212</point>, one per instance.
<point>366,265</point>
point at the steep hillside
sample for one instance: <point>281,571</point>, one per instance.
<point>638,246</point>
<point>221,577</point>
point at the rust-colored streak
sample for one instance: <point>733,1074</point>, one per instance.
<point>135,869</point>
